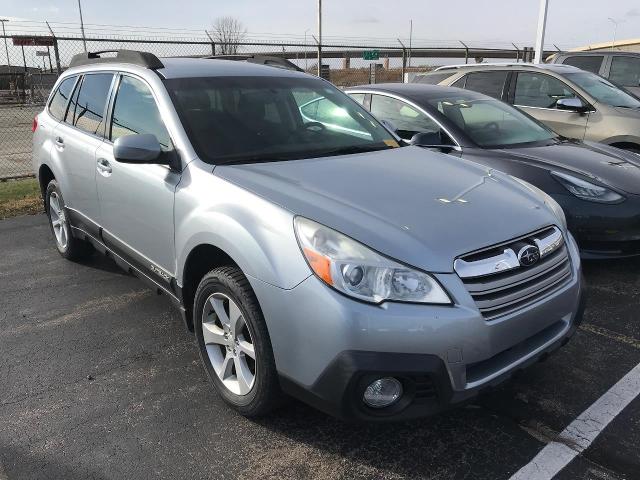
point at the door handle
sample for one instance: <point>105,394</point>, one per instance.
<point>59,142</point>
<point>103,167</point>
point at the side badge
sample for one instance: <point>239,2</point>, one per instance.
<point>160,272</point>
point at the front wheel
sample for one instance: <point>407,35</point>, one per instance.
<point>234,342</point>
<point>69,247</point>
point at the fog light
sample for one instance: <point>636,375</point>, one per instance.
<point>383,392</point>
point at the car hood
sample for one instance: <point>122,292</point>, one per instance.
<point>612,166</point>
<point>420,207</point>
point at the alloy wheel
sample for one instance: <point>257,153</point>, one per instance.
<point>229,343</point>
<point>58,220</point>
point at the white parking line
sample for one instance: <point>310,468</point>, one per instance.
<point>583,430</point>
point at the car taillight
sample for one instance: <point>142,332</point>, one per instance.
<point>34,126</point>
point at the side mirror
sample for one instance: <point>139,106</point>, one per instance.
<point>426,139</point>
<point>139,148</point>
<point>432,140</point>
<point>571,104</point>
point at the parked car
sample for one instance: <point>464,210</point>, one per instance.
<point>622,68</point>
<point>572,102</point>
<point>598,186</point>
<point>371,281</point>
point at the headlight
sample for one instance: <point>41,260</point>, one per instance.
<point>357,271</point>
<point>548,200</point>
<point>587,190</point>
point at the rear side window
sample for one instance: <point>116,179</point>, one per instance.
<point>625,71</point>
<point>590,63</point>
<point>431,78</point>
<point>540,90</point>
<point>135,112</point>
<point>87,108</point>
<point>460,82</point>
<point>58,103</point>
<point>489,83</point>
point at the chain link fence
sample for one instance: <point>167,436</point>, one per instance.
<point>35,62</point>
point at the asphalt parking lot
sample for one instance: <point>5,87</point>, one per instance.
<point>99,379</point>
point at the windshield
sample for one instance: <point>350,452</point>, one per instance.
<point>253,119</point>
<point>603,90</point>
<point>491,123</point>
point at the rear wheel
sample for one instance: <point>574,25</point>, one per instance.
<point>69,247</point>
<point>234,342</point>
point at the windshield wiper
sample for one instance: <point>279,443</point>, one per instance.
<point>281,157</point>
<point>350,150</point>
<point>260,159</point>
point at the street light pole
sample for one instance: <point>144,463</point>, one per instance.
<point>6,48</point>
<point>84,39</point>
<point>542,24</point>
<point>615,30</point>
<point>319,38</point>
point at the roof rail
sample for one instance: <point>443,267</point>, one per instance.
<point>475,65</point>
<point>269,60</point>
<point>144,59</point>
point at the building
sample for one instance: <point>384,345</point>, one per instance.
<point>630,45</point>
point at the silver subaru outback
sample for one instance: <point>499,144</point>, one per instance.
<point>310,252</point>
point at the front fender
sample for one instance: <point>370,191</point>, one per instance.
<point>255,233</point>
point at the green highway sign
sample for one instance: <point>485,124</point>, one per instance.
<point>371,55</point>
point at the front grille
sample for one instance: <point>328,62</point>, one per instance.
<point>511,286</point>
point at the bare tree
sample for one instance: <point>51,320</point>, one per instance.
<point>227,33</point>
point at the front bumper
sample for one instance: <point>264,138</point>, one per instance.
<point>328,347</point>
<point>604,230</point>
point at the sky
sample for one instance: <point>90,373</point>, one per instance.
<point>571,23</point>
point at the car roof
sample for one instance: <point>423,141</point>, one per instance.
<point>183,67</point>
<point>551,67</point>
<point>419,92</point>
<point>598,53</point>
<point>216,67</point>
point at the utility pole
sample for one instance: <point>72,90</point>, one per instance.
<point>319,38</point>
<point>6,48</point>
<point>84,39</point>
<point>542,24</point>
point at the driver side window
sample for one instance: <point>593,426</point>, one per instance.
<point>135,111</point>
<point>540,90</point>
<point>406,119</point>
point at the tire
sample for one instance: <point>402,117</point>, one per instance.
<point>68,246</point>
<point>226,351</point>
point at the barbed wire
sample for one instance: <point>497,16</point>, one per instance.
<point>72,29</point>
